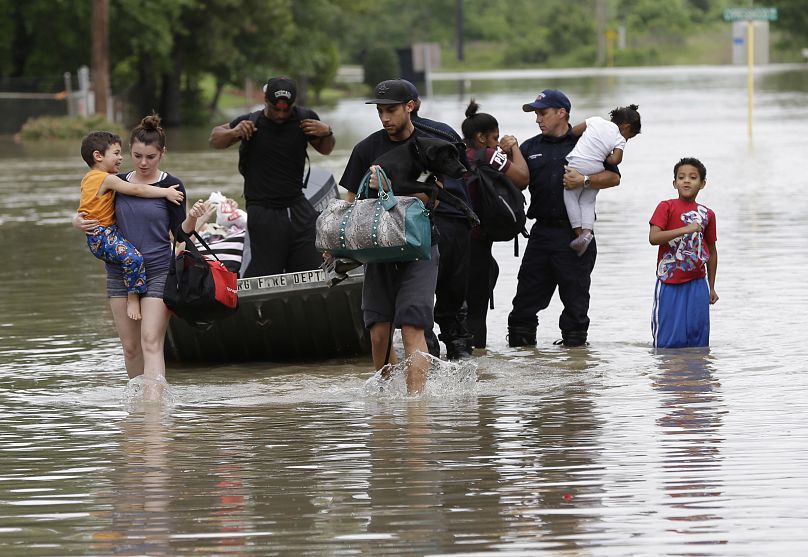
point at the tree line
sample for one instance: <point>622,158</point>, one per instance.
<point>161,50</point>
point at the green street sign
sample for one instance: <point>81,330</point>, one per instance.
<point>750,14</point>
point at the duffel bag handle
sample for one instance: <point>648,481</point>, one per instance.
<point>181,235</point>
<point>387,197</point>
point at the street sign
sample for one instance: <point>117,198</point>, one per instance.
<point>750,14</point>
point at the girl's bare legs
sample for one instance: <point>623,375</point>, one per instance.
<point>152,339</point>
<point>133,305</point>
<point>143,341</point>
<point>129,334</point>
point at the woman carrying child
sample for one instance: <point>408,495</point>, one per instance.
<point>146,223</point>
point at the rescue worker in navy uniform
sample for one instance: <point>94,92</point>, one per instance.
<point>272,158</point>
<point>454,245</point>
<point>548,261</point>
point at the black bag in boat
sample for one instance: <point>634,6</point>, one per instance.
<point>199,289</point>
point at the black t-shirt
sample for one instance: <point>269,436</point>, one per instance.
<point>276,159</point>
<point>365,153</point>
<point>546,157</point>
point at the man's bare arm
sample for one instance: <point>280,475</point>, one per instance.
<point>222,137</point>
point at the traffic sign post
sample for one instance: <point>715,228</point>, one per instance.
<point>750,15</point>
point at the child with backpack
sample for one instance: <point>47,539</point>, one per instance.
<point>499,157</point>
<point>600,141</point>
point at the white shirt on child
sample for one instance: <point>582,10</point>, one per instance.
<point>600,138</point>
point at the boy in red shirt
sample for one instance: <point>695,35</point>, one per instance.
<point>685,233</point>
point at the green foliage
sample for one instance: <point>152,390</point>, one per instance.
<point>325,64</point>
<point>7,28</point>
<point>653,17</point>
<point>41,37</point>
<point>792,21</point>
<point>66,127</point>
<point>161,50</point>
<point>381,62</point>
<point>532,51</point>
<point>637,57</point>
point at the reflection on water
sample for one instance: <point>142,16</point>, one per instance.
<point>611,449</point>
<point>692,422</point>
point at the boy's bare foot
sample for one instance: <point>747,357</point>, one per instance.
<point>133,306</point>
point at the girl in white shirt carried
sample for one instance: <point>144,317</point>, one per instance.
<point>602,141</point>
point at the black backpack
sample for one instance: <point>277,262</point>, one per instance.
<point>499,203</point>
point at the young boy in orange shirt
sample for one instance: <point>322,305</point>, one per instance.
<point>102,153</point>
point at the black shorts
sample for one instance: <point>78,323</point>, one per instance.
<point>403,293</point>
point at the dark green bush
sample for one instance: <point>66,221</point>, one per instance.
<point>380,63</point>
<point>66,127</point>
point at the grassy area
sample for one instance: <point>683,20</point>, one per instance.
<point>66,127</point>
<point>478,56</point>
<point>712,46</point>
<point>233,99</point>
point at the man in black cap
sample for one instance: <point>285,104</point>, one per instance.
<point>272,159</point>
<point>548,262</point>
<point>394,295</point>
<point>454,245</point>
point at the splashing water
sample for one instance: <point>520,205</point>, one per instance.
<point>444,379</point>
<point>141,391</point>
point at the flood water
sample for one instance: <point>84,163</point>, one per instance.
<point>612,449</point>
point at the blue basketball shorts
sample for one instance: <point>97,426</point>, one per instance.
<point>681,314</point>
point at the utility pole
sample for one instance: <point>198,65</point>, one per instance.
<point>459,28</point>
<point>601,19</point>
<point>99,56</point>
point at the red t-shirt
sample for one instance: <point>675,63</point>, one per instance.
<point>684,258</point>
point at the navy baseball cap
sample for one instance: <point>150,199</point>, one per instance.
<point>391,91</point>
<point>549,98</point>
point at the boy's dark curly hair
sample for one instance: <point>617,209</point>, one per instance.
<point>692,161</point>
<point>97,141</point>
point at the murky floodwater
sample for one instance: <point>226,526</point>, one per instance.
<point>608,450</point>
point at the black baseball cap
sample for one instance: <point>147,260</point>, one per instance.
<point>391,91</point>
<point>280,88</point>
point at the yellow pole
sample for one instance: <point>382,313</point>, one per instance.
<point>750,59</point>
<point>610,37</point>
